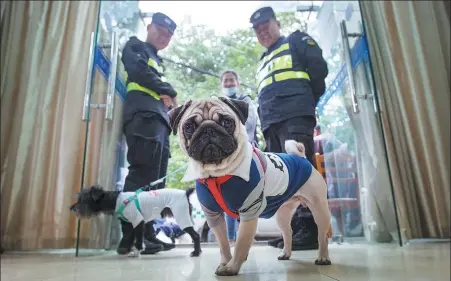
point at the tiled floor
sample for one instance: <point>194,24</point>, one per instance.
<point>415,262</point>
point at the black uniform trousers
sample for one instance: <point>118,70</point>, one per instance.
<point>299,129</point>
<point>147,137</point>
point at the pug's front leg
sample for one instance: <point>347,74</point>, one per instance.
<point>246,234</point>
<point>220,232</point>
<point>217,224</point>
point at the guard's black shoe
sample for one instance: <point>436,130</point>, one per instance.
<point>275,242</point>
<point>150,236</point>
<point>151,248</point>
<point>166,246</point>
<point>306,238</point>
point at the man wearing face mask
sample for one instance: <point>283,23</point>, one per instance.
<point>146,124</point>
<point>229,86</point>
<point>290,77</point>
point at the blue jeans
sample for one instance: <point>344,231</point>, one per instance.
<point>231,227</point>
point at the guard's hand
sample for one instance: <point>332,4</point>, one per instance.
<point>167,100</point>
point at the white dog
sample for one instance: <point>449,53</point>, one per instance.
<point>234,177</point>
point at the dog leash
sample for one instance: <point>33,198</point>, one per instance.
<point>158,181</point>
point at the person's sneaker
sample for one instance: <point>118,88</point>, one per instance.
<point>151,248</point>
<point>300,246</point>
<point>275,242</point>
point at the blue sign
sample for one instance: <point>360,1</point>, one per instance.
<point>103,64</point>
<point>359,54</point>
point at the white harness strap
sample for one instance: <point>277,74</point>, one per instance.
<point>260,160</point>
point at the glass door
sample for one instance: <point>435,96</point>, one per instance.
<point>360,192</point>
<point>105,147</point>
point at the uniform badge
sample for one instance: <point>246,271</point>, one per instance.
<point>168,21</point>
<point>309,40</point>
<point>257,15</point>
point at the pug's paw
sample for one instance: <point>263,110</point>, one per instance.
<point>225,270</point>
<point>323,261</point>
<point>283,257</point>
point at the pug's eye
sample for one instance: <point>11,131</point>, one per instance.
<point>227,123</point>
<point>189,128</point>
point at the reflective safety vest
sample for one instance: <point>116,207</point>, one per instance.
<point>133,86</point>
<point>277,66</point>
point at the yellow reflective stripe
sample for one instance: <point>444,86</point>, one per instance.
<point>132,86</point>
<point>283,62</point>
<point>282,48</point>
<point>264,83</point>
<point>291,75</point>
<point>151,62</point>
<point>286,75</point>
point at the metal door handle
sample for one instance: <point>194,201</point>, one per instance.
<point>86,98</point>
<point>365,96</point>
<point>348,62</point>
<point>114,52</point>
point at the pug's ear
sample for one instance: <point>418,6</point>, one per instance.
<point>241,108</point>
<point>175,115</point>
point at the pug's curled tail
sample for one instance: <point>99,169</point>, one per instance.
<point>294,147</point>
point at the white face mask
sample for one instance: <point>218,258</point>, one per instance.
<point>229,91</point>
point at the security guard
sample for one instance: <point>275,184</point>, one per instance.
<point>290,77</point>
<point>146,124</point>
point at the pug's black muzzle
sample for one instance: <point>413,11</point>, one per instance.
<point>211,143</point>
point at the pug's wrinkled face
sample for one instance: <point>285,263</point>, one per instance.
<point>209,128</point>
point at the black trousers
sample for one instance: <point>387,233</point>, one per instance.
<point>147,137</point>
<point>299,129</point>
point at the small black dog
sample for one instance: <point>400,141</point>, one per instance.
<point>138,208</point>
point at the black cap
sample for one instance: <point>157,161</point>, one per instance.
<point>164,21</point>
<point>262,15</point>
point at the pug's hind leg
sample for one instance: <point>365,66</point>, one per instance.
<point>321,215</point>
<point>283,218</point>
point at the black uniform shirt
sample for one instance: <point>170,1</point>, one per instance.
<point>135,57</point>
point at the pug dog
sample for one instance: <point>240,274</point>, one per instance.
<point>234,177</point>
